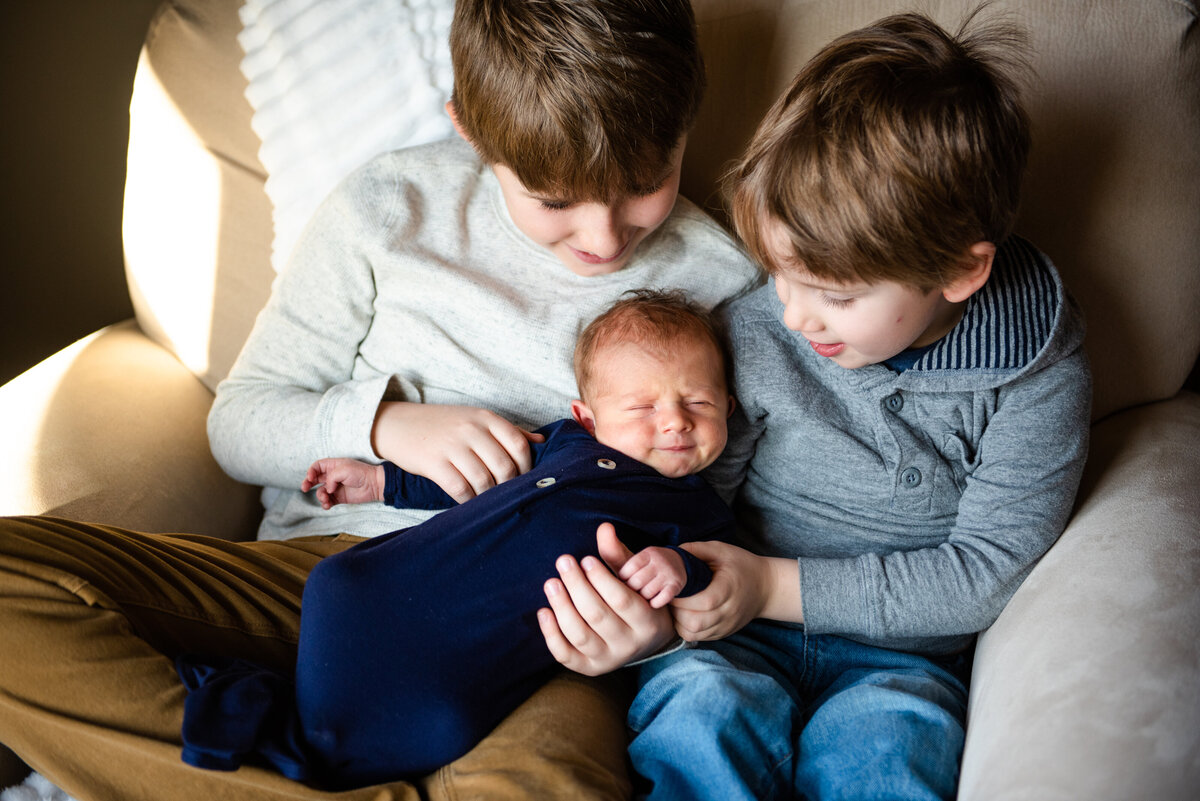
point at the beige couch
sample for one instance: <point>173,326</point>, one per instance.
<point>1087,687</point>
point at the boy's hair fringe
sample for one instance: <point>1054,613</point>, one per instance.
<point>650,318</point>
<point>896,148</point>
<point>583,99</point>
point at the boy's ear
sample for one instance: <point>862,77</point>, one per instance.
<point>979,260</point>
<point>453,114</point>
<point>732,406</point>
<point>583,415</point>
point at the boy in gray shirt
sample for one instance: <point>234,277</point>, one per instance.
<point>914,404</point>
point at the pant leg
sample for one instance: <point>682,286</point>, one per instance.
<point>92,615</point>
<point>566,743</point>
<point>883,725</point>
<point>716,722</point>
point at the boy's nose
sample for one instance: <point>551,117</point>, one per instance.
<point>799,317</point>
<point>602,235</point>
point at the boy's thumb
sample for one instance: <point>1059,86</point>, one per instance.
<point>612,550</point>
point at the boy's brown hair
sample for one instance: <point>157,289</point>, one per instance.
<point>896,148</point>
<point>656,319</point>
<point>584,99</point>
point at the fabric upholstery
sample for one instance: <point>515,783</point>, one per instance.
<point>1089,684</point>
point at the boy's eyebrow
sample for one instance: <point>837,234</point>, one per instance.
<point>547,197</point>
<point>813,282</point>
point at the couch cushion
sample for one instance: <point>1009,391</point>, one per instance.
<point>197,225</point>
<point>334,84</point>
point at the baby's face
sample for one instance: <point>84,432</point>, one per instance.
<point>667,410</point>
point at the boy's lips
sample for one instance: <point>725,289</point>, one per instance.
<point>591,258</point>
<point>827,350</point>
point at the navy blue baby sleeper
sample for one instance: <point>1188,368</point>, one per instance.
<point>415,644</point>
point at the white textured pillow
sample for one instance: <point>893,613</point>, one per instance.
<point>334,83</point>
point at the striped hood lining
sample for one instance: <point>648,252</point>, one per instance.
<point>1008,322</point>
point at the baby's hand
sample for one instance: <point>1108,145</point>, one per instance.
<point>656,573</point>
<point>344,481</point>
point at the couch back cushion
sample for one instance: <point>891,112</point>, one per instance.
<point>1112,192</point>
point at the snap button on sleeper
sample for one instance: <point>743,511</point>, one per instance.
<point>607,464</point>
<point>545,482</point>
<point>911,477</point>
<point>894,402</point>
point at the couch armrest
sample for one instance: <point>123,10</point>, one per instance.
<point>112,430</point>
<point>1088,686</point>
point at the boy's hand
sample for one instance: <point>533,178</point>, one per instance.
<point>344,481</point>
<point>657,574</point>
<point>598,624</point>
<point>744,586</point>
<point>462,449</point>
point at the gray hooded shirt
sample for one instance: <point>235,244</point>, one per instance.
<point>915,502</point>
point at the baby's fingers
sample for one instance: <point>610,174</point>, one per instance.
<point>636,564</point>
<point>313,477</point>
<point>324,498</point>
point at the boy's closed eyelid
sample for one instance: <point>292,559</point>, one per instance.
<point>835,302</point>
<point>650,190</point>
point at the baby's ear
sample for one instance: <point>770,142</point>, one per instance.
<point>583,415</point>
<point>978,263</point>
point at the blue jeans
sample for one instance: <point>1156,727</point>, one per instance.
<point>772,713</point>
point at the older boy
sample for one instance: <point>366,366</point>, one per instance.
<point>414,645</point>
<point>433,285</point>
<point>914,421</point>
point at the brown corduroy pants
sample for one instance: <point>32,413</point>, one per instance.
<point>92,616</point>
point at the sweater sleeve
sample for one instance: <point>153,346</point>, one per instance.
<point>292,396</point>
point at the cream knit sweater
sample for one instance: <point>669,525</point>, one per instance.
<point>412,283</point>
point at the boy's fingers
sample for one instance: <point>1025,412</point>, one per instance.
<point>470,465</point>
<point>611,549</point>
<point>579,609</point>
<point>703,550</point>
<point>610,607</point>
<point>530,436</point>
<point>582,643</point>
<point>514,442</point>
<point>502,461</point>
<point>697,626</point>
<point>562,651</point>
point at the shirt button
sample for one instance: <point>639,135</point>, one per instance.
<point>545,482</point>
<point>911,477</point>
<point>607,464</point>
<point>894,402</point>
